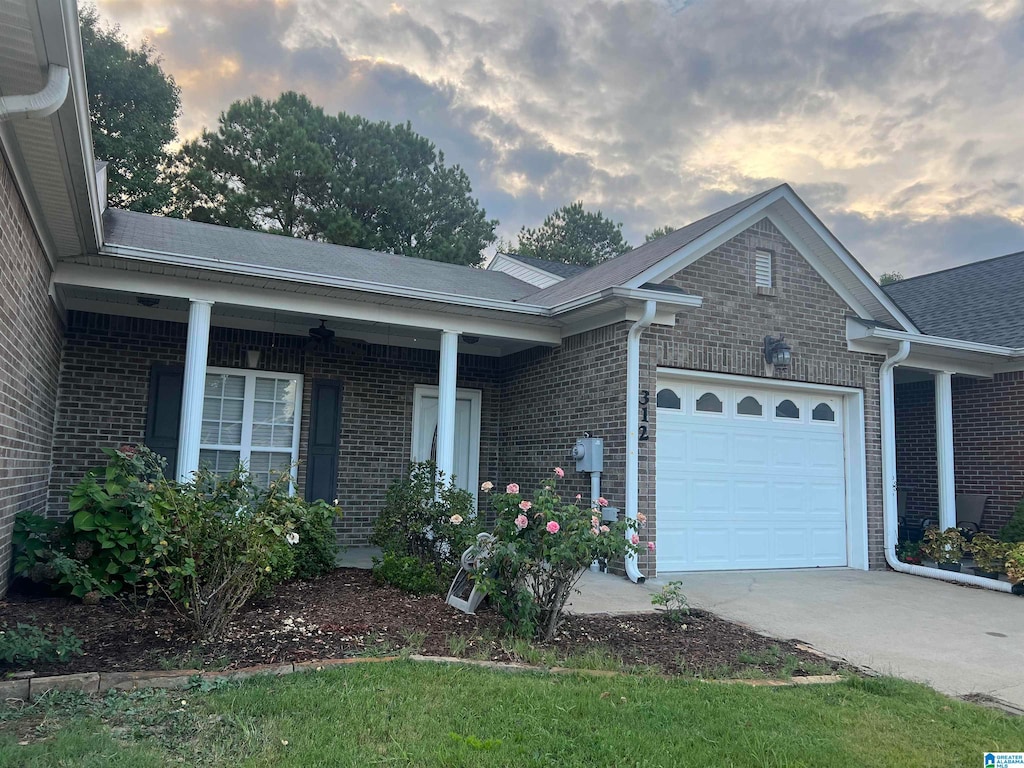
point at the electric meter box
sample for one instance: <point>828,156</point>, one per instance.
<point>589,454</point>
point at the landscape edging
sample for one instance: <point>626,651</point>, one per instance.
<point>91,683</point>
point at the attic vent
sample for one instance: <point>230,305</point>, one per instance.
<point>762,269</point>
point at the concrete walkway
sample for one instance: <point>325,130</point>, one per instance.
<point>956,639</point>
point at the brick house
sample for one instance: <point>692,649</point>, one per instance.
<point>745,373</point>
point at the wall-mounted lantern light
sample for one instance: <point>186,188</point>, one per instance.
<point>777,352</point>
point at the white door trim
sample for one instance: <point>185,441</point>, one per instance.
<point>475,398</point>
<point>854,444</point>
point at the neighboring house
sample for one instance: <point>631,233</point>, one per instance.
<point>205,342</point>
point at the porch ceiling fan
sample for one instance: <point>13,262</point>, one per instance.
<point>322,340</point>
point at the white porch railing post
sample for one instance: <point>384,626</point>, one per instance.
<point>944,448</point>
<point>446,387</point>
<point>193,387</point>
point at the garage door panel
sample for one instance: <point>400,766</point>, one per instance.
<point>737,491</point>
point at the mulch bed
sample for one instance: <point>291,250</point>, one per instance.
<point>346,614</point>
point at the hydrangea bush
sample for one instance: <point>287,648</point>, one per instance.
<point>541,548</point>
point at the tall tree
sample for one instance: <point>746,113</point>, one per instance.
<point>133,106</point>
<point>659,232</point>
<point>890,277</point>
<point>573,235</point>
<point>286,166</point>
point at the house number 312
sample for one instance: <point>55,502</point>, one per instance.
<point>645,403</point>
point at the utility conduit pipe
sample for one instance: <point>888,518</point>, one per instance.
<point>633,426</point>
<point>886,392</point>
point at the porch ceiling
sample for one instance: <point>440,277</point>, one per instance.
<point>175,309</point>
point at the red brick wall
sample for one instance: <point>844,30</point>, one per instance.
<point>30,343</point>
<point>988,444</point>
<point>105,391</point>
<point>727,335</point>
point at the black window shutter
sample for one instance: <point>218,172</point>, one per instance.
<point>163,419</point>
<point>324,436</point>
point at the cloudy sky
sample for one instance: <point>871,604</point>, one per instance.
<point>900,123</point>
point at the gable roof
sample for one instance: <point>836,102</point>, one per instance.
<point>556,268</point>
<point>621,269</point>
<point>980,302</point>
<point>160,234</point>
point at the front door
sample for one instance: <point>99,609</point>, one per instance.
<point>467,433</point>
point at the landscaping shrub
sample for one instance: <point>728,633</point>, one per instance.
<point>1015,564</point>
<point>1013,531</point>
<point>944,547</point>
<point>541,549</point>
<point>988,553</point>
<point>406,573</point>
<point>222,539</point>
<point>316,552</point>
<point>427,518</point>
<point>24,644</point>
<point>672,602</point>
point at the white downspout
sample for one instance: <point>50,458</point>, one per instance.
<point>890,523</point>
<point>633,426</point>
<point>42,103</point>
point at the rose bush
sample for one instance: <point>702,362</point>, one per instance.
<point>541,549</point>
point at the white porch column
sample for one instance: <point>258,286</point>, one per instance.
<point>193,387</point>
<point>446,386</point>
<point>944,448</point>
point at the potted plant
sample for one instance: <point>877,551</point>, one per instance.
<point>946,547</point>
<point>1015,567</point>
<point>989,555</point>
<point>909,552</point>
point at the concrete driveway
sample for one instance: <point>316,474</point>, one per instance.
<point>956,639</point>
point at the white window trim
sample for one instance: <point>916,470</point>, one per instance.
<point>761,397</point>
<point>723,398</point>
<point>836,404</point>
<point>248,406</point>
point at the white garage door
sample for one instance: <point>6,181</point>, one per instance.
<point>749,478</point>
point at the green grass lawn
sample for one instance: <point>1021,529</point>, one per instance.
<point>409,714</point>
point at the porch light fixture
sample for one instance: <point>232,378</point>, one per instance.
<point>252,358</point>
<point>777,352</point>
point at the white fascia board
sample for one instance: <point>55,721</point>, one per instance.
<point>306,304</point>
<point>308,278</point>
<point>953,345</point>
<point>665,299</point>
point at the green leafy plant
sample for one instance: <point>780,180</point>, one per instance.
<point>32,541</point>
<point>944,547</point>
<point>1014,565</point>
<point>429,518</point>
<point>909,552</point>
<point>316,552</point>
<point>672,603</point>
<point>219,543</point>
<point>988,553</point>
<point>406,573</point>
<point>26,643</point>
<point>539,552</point>
<point>1013,531</point>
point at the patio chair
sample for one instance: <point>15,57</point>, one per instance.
<point>970,508</point>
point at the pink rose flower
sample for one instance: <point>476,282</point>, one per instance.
<point>525,506</point>
<point>605,529</point>
<point>594,521</point>
<point>552,527</point>
<point>456,519</point>
<point>512,488</point>
<point>602,501</point>
<point>486,486</point>
<point>595,531</point>
<point>650,546</point>
<point>579,496</point>
<point>559,471</point>
<point>522,522</point>
<point>635,539</point>
<point>641,518</point>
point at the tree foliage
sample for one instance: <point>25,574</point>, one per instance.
<point>286,166</point>
<point>888,278</point>
<point>133,106</point>
<point>659,232</point>
<point>573,235</point>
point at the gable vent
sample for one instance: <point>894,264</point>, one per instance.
<point>763,269</point>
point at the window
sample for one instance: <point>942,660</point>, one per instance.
<point>709,403</point>
<point>787,410</point>
<point>749,406</point>
<point>763,269</point>
<point>823,412</point>
<point>250,418</point>
<point>669,399</point>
